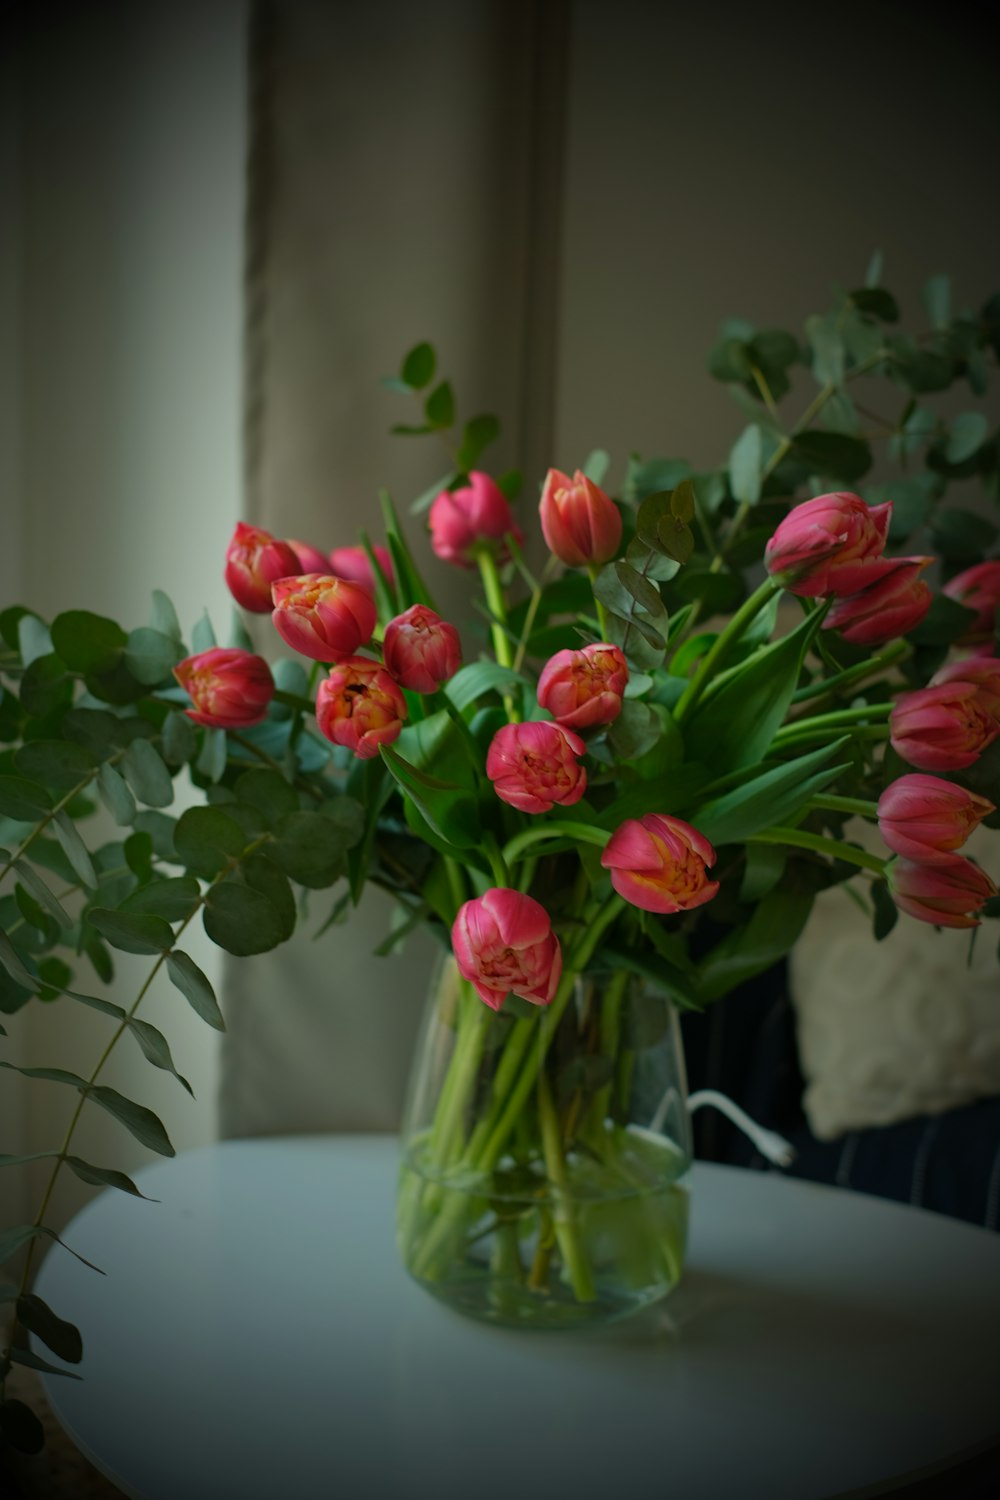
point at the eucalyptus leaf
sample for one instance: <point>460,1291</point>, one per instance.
<point>173,898</point>
<point>150,655</point>
<point>163,617</point>
<point>196,988</point>
<point>156,1049</point>
<point>202,636</point>
<point>115,795</point>
<point>140,1121</point>
<point>211,759</point>
<point>104,1177</point>
<point>23,800</point>
<point>132,932</point>
<point>33,1361</point>
<point>967,433</point>
<point>61,1337</point>
<point>179,739</point>
<point>241,920</point>
<point>477,678</point>
<point>33,638</point>
<point>207,839</point>
<point>147,775</point>
<point>74,849</point>
<point>87,642</point>
<point>746,462</point>
<point>418,367</point>
<point>41,893</point>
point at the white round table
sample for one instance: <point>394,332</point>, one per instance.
<point>254,1338</point>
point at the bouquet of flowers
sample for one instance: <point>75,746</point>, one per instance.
<point>622,802</point>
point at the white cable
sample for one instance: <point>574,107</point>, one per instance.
<point>768,1142</point>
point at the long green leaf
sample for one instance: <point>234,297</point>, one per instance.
<point>450,810</point>
<point>195,987</point>
<point>770,798</point>
<point>735,726</point>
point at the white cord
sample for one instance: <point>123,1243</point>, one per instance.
<point>768,1142</point>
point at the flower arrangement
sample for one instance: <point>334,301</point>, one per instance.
<point>648,773</point>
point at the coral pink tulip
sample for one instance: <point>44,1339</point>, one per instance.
<point>926,818</point>
<point>532,766</point>
<point>659,864</point>
<point>820,537</point>
<point>360,705</point>
<point>504,944</point>
<point>230,689</point>
<point>311,559</point>
<point>585,687</point>
<point>354,563</point>
<point>254,559</point>
<point>421,650</point>
<point>322,617</point>
<point>978,588</point>
<point>893,603</point>
<point>983,672</point>
<point>947,894</point>
<point>465,520</point>
<point>944,727</point>
<point>582,526</point>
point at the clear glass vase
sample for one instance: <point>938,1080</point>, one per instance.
<point>546,1153</point>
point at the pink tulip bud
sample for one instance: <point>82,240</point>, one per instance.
<point>322,617</point>
<point>585,687</point>
<point>944,727</point>
<point>254,559</point>
<point>659,864</point>
<point>822,536</point>
<point>504,944</point>
<point>895,601</point>
<point>353,563</point>
<point>230,689</point>
<point>978,588</point>
<point>925,818</point>
<point>582,526</point>
<point>467,519</point>
<point>983,672</point>
<point>946,894</point>
<point>360,705</point>
<point>311,559</point>
<point>421,650</point>
<point>532,766</point>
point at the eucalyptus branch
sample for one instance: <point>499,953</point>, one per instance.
<point>119,1031</point>
<point>60,806</point>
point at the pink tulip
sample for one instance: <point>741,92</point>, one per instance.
<point>925,818</point>
<point>254,559</point>
<point>361,706</point>
<point>322,617</point>
<point>946,894</point>
<point>585,687</point>
<point>821,537</point>
<point>421,650</point>
<point>230,689</point>
<point>944,727</point>
<point>532,766</point>
<point>889,606</point>
<point>983,672</point>
<point>659,864</point>
<point>311,559</point>
<point>465,520</point>
<point>504,944</point>
<point>353,563</point>
<point>978,588</point>
<point>582,526</point>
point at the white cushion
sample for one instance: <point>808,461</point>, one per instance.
<point>909,1026</point>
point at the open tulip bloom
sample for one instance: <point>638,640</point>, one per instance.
<point>633,763</point>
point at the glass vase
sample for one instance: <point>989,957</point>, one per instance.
<point>546,1153</point>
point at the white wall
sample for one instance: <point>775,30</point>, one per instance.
<point>122,150</point>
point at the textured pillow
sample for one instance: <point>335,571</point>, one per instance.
<point>905,1027</point>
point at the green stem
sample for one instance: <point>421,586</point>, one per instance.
<point>501,1127</point>
<point>839,719</point>
<point>851,675</point>
<point>727,638</point>
<point>537,589</point>
<point>516,846</point>
<point>856,805</point>
<point>797,838</point>
<point>493,590</point>
<point>602,614</point>
<point>571,1246</point>
<point>497,861</point>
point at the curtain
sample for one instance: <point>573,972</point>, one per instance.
<point>567,197</point>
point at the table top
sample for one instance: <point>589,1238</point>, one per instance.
<point>255,1336</point>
